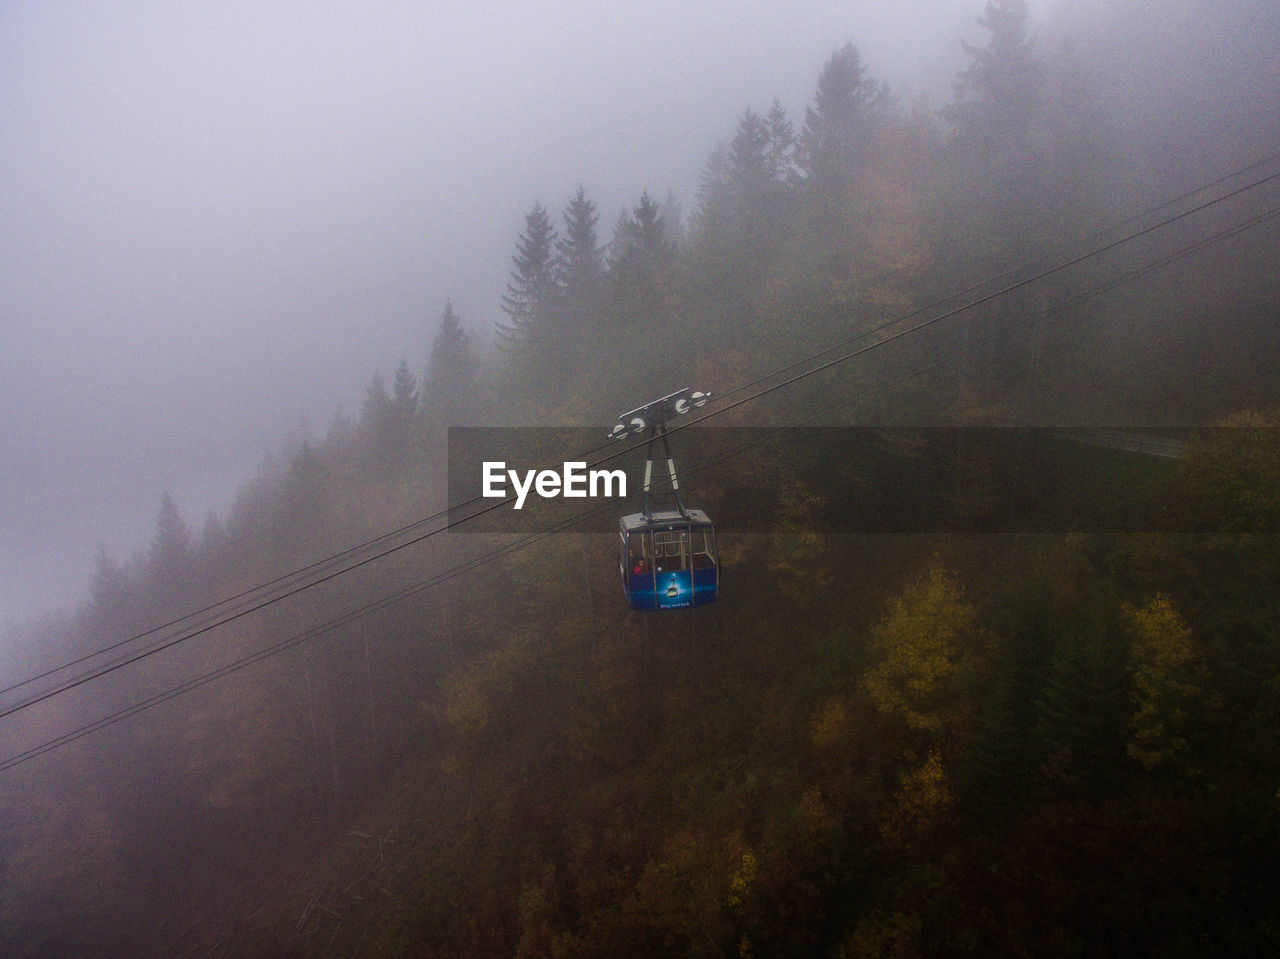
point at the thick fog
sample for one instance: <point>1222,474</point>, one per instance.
<point>221,221</point>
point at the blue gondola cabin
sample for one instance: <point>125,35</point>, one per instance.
<point>668,559</point>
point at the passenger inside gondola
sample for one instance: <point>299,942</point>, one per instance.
<point>636,554</point>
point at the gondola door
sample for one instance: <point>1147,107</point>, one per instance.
<point>673,578</point>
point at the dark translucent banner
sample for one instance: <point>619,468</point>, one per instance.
<point>882,480</point>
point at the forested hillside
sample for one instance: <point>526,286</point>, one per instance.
<point>428,743</point>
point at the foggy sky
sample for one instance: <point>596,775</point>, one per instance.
<point>220,220</point>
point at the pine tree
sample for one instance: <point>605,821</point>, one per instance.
<point>672,212</point>
<point>404,394</point>
<point>451,387</point>
<point>782,141</point>
<point>111,591</point>
<point>749,163</point>
<point>711,218</point>
<point>580,276</point>
<point>376,411</point>
<point>999,92</point>
<point>640,251</point>
<point>1001,193</point>
<point>998,101</point>
<point>996,767</point>
<point>758,171</point>
<point>1081,714</point>
<point>641,259</point>
<point>580,259</point>
<point>530,300</point>
<point>836,154</point>
<point>171,546</point>
<point>214,542</point>
<point>108,579</point>
<point>213,535</point>
<point>169,557</point>
<point>303,507</point>
<point>835,139</point>
<point>403,439</point>
<point>747,179</point>
<point>378,424</point>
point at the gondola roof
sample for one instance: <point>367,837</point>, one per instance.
<point>663,519</point>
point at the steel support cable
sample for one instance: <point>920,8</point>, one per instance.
<point>1058,267</point>
<point>1075,300</point>
<point>1012,271</point>
<point>986,298</point>
<point>580,516</point>
<point>234,602</point>
<point>303,637</point>
<point>169,643</point>
<point>262,594</point>
<point>326,565</point>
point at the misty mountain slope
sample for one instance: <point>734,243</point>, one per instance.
<point>871,744</point>
<point>952,723</point>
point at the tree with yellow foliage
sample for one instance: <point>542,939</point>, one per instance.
<point>1168,679</point>
<point>922,644</point>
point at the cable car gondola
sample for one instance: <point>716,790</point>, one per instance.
<point>667,558</point>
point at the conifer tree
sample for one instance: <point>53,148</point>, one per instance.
<point>169,556</point>
<point>171,546</point>
<point>713,197</point>
<point>838,127</point>
<point>402,429</point>
<point>452,380</point>
<point>530,299</point>
<point>110,590</point>
<point>376,411</point>
<point>640,262</point>
<point>580,277</point>
<point>749,158</point>
<point>213,545</point>
<point>108,580</point>
<point>580,260</point>
<point>672,212</point>
<point>996,764</point>
<point>1001,193</point>
<point>1081,713</point>
<point>304,494</point>
<point>640,250</point>
<point>836,154</point>
<point>998,93</point>
<point>782,140</point>
<point>404,394</point>
<point>213,535</point>
<point>378,423</point>
<point>744,182</point>
<point>999,97</point>
<point>757,169</point>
